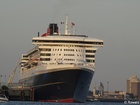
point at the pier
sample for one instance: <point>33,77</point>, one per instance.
<point>18,92</point>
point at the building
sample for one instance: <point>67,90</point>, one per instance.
<point>95,92</point>
<point>114,94</point>
<point>101,89</point>
<point>133,86</point>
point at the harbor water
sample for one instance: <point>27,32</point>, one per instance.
<point>50,103</point>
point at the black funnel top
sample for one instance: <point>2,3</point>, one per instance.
<point>53,28</point>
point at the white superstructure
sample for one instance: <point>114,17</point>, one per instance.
<point>59,51</point>
<point>55,51</point>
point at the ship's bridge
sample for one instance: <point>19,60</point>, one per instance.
<point>72,40</point>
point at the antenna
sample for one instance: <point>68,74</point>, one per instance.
<point>66,26</point>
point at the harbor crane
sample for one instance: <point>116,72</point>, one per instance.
<point>11,77</point>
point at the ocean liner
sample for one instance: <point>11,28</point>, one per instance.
<point>60,67</point>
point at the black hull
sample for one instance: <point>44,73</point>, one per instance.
<point>61,85</point>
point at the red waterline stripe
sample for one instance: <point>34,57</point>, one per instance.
<point>70,100</point>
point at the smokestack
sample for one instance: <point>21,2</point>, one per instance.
<point>53,28</point>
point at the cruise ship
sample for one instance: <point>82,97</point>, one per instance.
<point>60,67</point>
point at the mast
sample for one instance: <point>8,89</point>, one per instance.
<point>66,26</point>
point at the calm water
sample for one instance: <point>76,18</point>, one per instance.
<point>47,103</point>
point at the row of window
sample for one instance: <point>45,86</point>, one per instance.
<point>90,51</point>
<point>48,59</point>
<point>68,49</point>
<point>25,56</point>
<point>57,49</point>
<point>31,54</point>
<point>42,54</point>
<point>64,41</point>
<point>47,49</point>
<point>69,59</point>
<point>87,51</point>
<point>90,60</point>
<point>50,45</point>
<point>68,54</point>
<point>45,59</point>
<point>90,55</point>
<point>56,54</point>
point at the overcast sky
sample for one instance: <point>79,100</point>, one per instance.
<point>117,22</point>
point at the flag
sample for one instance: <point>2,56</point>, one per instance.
<point>73,24</point>
<point>62,22</point>
<point>45,34</point>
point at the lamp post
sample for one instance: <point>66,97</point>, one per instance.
<point>0,80</point>
<point>107,87</point>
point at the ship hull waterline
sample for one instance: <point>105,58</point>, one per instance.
<point>70,85</point>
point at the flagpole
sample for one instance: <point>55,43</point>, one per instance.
<point>1,79</point>
<point>73,28</point>
<point>66,26</point>
<point>60,29</point>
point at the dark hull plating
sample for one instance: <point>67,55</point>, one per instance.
<point>71,85</point>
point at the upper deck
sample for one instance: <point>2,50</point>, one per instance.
<point>67,39</point>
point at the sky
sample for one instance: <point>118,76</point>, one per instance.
<point>117,22</point>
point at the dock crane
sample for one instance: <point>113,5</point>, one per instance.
<point>11,77</point>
